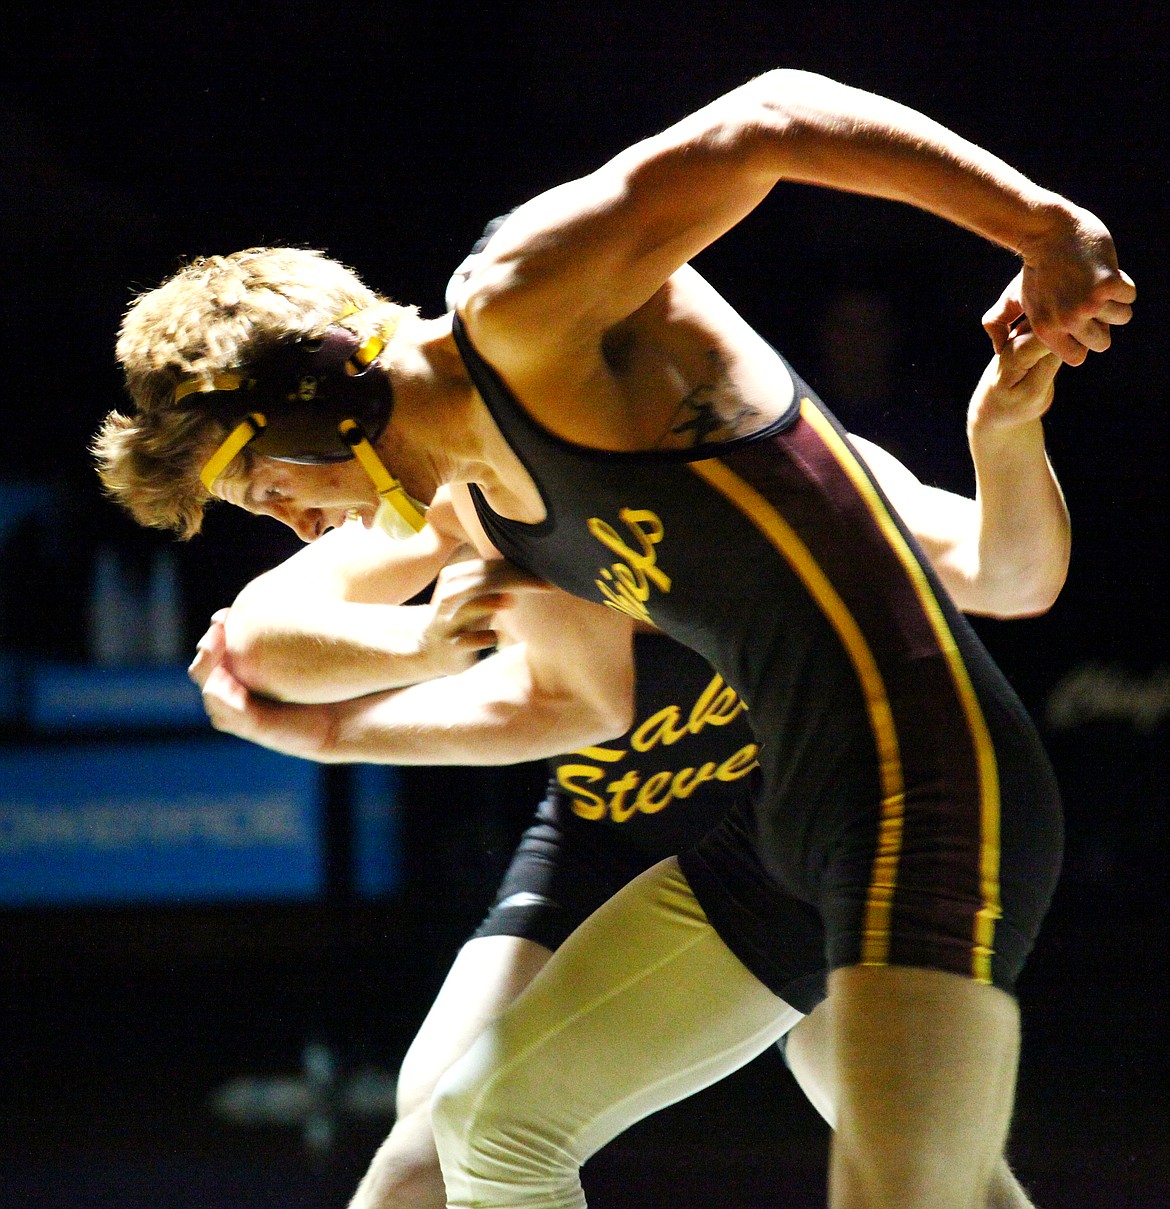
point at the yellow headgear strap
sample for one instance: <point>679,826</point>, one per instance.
<point>247,429</point>
<point>205,386</point>
<point>250,427</point>
<point>389,489</point>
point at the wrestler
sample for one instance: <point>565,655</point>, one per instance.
<point>313,630</point>
<point>627,437</point>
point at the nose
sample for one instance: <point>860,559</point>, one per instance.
<point>308,524</point>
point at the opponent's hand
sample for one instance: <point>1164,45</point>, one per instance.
<point>210,650</point>
<point>1070,288</point>
<point>466,604</point>
<point>1018,384</point>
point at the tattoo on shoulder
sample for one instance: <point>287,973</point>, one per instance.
<point>706,418</point>
<point>701,420</point>
<point>712,412</point>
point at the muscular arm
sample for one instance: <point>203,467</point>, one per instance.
<point>568,685</point>
<point>581,258</point>
<point>563,680</point>
<point>1006,552</point>
<point>322,626</point>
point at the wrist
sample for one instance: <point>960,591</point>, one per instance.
<point>1051,224</point>
<point>1004,437</point>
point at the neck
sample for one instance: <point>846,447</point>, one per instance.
<point>436,434</point>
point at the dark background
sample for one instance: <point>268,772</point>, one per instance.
<point>387,135</point>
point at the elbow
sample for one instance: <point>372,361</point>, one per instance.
<point>802,98</point>
<point>573,722</point>
<point>612,706</point>
<point>250,656</point>
<point>1042,586</point>
<point>594,725</point>
<point>789,85</point>
<point>1035,604</point>
<point>1045,594</point>
<point>791,120</point>
<point>1028,595</point>
<point>609,721</point>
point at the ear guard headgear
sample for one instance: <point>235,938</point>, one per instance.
<point>310,402</point>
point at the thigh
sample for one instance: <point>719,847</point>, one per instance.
<point>486,976</point>
<point>936,881</point>
<point>642,1006</point>
<point>923,1072</point>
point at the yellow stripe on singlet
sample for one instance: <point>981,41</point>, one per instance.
<point>875,944</point>
<point>984,930</point>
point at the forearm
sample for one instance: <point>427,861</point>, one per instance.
<point>568,684</point>
<point>321,650</point>
<point>1024,534</point>
<point>491,714</point>
<point>487,715</point>
<point>820,132</point>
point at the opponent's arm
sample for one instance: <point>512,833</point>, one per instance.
<point>322,626</point>
<point>570,686</point>
<point>1006,552</point>
<point>581,258</point>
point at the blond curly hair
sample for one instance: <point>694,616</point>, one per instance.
<point>217,313</point>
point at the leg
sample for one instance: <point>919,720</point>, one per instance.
<point>642,1006</point>
<point>811,1064</point>
<point>924,1063</point>
<point>488,974</point>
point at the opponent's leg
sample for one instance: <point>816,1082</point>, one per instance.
<point>924,1063</point>
<point>486,976</point>
<point>808,1054</point>
<point>641,1006</point>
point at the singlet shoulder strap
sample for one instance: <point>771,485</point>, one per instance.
<point>510,417</point>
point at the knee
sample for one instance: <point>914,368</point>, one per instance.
<point>492,1131</point>
<point>452,1107</point>
<point>404,1174</point>
<point>473,1120</point>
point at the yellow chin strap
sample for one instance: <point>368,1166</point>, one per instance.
<point>389,489</point>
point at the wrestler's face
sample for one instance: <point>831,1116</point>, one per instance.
<point>308,499</point>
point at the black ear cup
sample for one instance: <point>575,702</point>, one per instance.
<point>305,390</point>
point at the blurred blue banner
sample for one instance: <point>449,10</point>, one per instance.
<point>204,819</point>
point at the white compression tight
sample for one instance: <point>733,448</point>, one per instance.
<point>642,1006</point>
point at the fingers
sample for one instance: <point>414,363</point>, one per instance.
<point>224,696</point>
<point>470,625</point>
<point>1024,348</point>
<point>475,640</point>
<point>1000,318</point>
<point>1071,301</point>
<point>210,650</point>
<point>1115,313</point>
<point>467,595</point>
<point>1018,385</point>
<point>1070,350</point>
<point>1111,309</point>
<point>1025,356</point>
<point>1038,382</point>
<point>1122,289</point>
